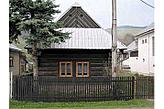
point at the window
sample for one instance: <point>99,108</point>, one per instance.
<point>145,40</point>
<point>153,46</point>
<point>81,15</point>
<point>82,69</point>
<point>11,61</point>
<point>142,41</point>
<point>65,69</point>
<point>23,66</point>
<point>134,54</point>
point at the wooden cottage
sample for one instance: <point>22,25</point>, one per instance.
<point>17,60</point>
<point>86,54</point>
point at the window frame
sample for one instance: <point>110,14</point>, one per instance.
<point>65,66</point>
<point>88,70</point>
<point>134,54</point>
<point>23,66</point>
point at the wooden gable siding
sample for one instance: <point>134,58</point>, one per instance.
<point>76,17</point>
<point>49,61</point>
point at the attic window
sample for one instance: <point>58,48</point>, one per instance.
<point>145,40</point>
<point>81,15</point>
<point>70,15</point>
<point>142,41</point>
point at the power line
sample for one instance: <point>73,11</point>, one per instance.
<point>147,4</point>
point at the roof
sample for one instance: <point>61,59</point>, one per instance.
<point>76,4</point>
<point>76,17</point>
<point>13,47</point>
<point>132,46</point>
<point>148,29</point>
<point>87,38</point>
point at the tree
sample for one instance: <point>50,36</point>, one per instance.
<point>36,18</point>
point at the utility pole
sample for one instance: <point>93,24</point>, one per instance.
<point>114,38</point>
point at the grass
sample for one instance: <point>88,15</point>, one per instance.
<point>131,104</point>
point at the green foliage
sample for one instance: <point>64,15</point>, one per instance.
<point>35,18</point>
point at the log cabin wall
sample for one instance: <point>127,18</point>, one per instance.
<point>99,60</point>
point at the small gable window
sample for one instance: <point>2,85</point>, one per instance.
<point>81,15</point>
<point>142,41</point>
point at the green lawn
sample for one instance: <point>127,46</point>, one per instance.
<point>131,104</point>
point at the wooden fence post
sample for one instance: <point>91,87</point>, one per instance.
<point>133,81</point>
<point>11,85</point>
<point>35,88</point>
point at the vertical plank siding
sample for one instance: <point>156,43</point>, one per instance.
<point>48,88</point>
<point>145,87</point>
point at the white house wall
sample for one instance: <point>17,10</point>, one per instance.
<point>144,63</point>
<point>143,55</point>
<point>133,63</point>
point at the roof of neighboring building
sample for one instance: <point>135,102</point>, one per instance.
<point>13,47</point>
<point>132,46</point>
<point>87,38</point>
<point>148,29</point>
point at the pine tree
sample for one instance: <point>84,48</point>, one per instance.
<point>36,18</point>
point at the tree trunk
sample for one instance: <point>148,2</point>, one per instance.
<point>35,71</point>
<point>35,60</point>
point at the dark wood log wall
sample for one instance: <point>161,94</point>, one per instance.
<point>50,58</point>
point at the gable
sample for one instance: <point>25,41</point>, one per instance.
<point>76,17</point>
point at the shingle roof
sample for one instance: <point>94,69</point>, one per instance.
<point>13,47</point>
<point>87,38</point>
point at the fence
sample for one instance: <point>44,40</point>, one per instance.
<point>144,87</point>
<point>66,89</point>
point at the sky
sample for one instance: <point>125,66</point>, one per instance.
<point>129,12</point>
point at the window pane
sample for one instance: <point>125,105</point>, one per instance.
<point>68,69</point>
<point>79,69</point>
<point>85,68</point>
<point>62,68</point>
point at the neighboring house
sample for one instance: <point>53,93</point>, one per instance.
<point>86,54</point>
<point>17,60</point>
<point>132,57</point>
<point>141,52</point>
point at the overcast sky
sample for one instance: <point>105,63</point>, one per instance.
<point>129,12</point>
